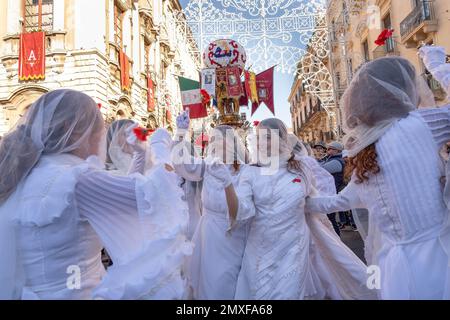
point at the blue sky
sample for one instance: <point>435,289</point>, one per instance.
<point>283,84</point>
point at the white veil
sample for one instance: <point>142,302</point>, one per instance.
<point>119,152</point>
<point>61,121</point>
<point>382,91</point>
<point>225,144</point>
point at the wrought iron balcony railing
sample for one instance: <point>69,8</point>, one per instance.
<point>423,12</point>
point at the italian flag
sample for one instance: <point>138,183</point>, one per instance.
<point>191,98</point>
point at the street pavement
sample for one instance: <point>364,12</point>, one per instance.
<point>353,240</point>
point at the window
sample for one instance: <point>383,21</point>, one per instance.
<point>118,26</point>
<point>366,50</point>
<point>37,15</point>
<point>387,24</point>
<point>147,57</point>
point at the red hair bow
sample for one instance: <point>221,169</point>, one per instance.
<point>206,98</point>
<point>384,35</point>
<point>142,133</point>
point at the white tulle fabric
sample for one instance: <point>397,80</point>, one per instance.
<point>217,257</point>
<point>290,254</point>
<point>382,92</point>
<point>408,220</point>
<point>157,271</point>
<point>119,151</point>
<point>61,121</point>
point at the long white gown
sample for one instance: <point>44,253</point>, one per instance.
<point>217,257</point>
<point>290,254</point>
<point>66,209</point>
<point>408,220</point>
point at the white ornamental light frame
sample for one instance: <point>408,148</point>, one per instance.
<point>291,34</point>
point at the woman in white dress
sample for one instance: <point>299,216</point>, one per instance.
<point>58,207</point>
<point>393,150</point>
<point>217,256</point>
<point>290,254</point>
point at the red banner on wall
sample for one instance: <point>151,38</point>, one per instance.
<point>32,56</point>
<point>125,81</point>
<point>150,95</point>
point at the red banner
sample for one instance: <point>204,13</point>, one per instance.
<point>264,86</point>
<point>248,91</point>
<point>150,94</point>
<point>234,84</point>
<point>32,56</point>
<point>125,81</point>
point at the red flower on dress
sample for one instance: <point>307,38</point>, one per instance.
<point>206,98</point>
<point>297,180</point>
<point>384,35</point>
<point>255,123</point>
<point>142,133</point>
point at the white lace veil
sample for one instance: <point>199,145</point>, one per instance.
<point>225,144</point>
<point>61,121</point>
<point>119,152</point>
<point>382,91</point>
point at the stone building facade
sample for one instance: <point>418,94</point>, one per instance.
<point>83,41</point>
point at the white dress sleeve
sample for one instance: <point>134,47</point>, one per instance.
<point>346,200</point>
<point>438,120</point>
<point>142,223</point>
<point>244,191</point>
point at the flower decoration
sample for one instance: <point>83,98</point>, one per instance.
<point>206,98</point>
<point>142,133</point>
<point>297,180</point>
<point>384,36</point>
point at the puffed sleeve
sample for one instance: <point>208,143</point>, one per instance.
<point>438,120</point>
<point>347,199</point>
<point>244,191</point>
<point>142,222</point>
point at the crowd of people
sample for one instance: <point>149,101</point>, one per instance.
<point>246,221</point>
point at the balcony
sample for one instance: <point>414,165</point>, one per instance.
<point>389,49</point>
<point>418,24</point>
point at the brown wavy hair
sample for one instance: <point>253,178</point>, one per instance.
<point>363,164</point>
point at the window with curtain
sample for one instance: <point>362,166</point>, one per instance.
<point>37,15</point>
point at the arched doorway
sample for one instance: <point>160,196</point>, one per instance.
<point>152,124</point>
<point>16,105</point>
<point>120,109</point>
